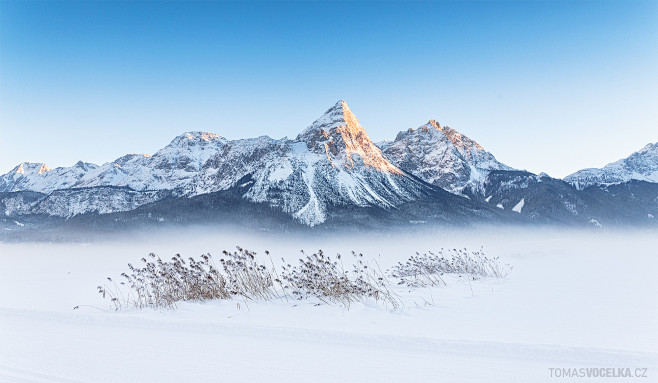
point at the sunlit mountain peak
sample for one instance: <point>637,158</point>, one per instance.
<point>31,168</point>
<point>339,135</point>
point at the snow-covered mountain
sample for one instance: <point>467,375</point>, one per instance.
<point>171,168</point>
<point>641,165</point>
<point>331,173</point>
<point>38,177</point>
<point>121,185</point>
<point>550,200</point>
<point>443,157</point>
<point>332,162</point>
<point>68,203</point>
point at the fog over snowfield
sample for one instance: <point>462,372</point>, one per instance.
<point>575,299</point>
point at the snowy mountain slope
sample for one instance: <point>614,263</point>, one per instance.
<point>18,203</point>
<point>443,157</point>
<point>123,184</point>
<point>641,165</point>
<point>172,167</point>
<point>549,200</point>
<point>332,162</point>
<point>38,177</point>
<point>67,203</point>
<point>539,196</point>
<point>100,200</point>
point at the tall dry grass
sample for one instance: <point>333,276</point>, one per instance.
<point>158,283</point>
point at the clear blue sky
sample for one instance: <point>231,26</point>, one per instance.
<point>547,86</point>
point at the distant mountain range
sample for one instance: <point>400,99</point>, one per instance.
<point>641,165</point>
<point>331,175</point>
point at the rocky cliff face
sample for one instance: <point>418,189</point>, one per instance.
<point>443,157</point>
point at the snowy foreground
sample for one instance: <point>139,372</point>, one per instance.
<point>573,300</point>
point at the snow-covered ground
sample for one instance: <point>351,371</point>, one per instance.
<point>573,300</point>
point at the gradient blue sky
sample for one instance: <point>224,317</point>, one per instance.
<point>546,86</point>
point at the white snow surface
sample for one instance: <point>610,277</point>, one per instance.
<point>519,206</point>
<point>573,300</point>
<point>641,165</point>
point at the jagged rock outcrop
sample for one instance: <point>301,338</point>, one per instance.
<point>443,157</point>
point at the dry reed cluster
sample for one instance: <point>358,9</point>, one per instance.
<point>427,269</point>
<point>319,276</point>
<point>161,283</point>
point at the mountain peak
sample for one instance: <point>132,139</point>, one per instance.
<point>31,168</point>
<point>201,136</point>
<point>339,105</point>
<point>338,115</point>
<point>85,166</point>
<point>194,137</point>
<point>442,156</point>
<point>650,147</point>
<point>458,139</point>
<point>433,123</point>
<point>339,135</point>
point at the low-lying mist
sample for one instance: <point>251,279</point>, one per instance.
<point>391,246</point>
<point>575,287</point>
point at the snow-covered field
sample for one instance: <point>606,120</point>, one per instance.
<point>573,300</point>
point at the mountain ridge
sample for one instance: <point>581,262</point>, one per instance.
<point>641,165</point>
<point>331,166</point>
<point>443,157</point>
